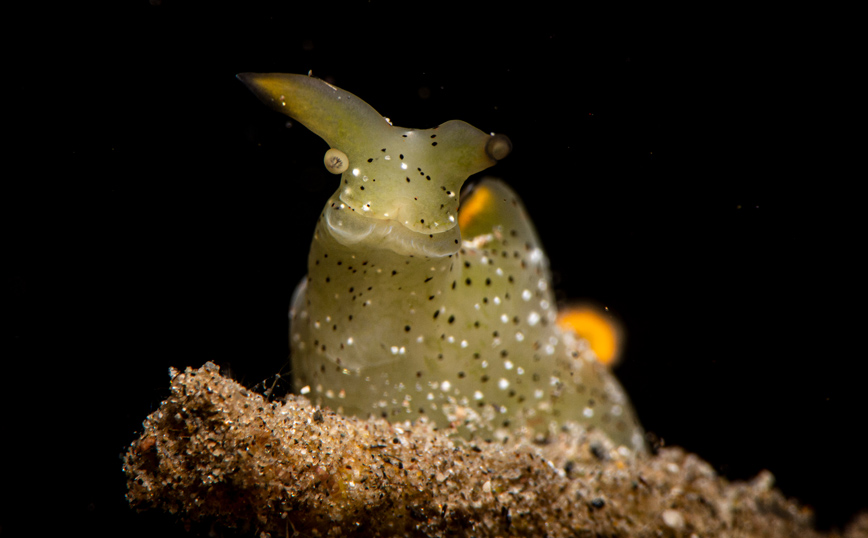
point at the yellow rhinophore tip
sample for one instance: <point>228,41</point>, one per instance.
<point>598,327</point>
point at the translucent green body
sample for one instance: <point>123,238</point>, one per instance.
<point>404,313</point>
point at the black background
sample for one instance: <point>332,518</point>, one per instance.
<point>158,215</point>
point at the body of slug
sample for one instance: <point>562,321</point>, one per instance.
<point>404,312</point>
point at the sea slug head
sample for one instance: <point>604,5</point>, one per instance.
<point>409,176</point>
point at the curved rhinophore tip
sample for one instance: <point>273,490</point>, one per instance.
<point>336,161</point>
<point>498,146</point>
<point>249,80</point>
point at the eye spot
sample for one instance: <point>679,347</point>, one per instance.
<point>498,147</point>
<point>336,161</point>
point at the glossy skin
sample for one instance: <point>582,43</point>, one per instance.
<point>404,312</point>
